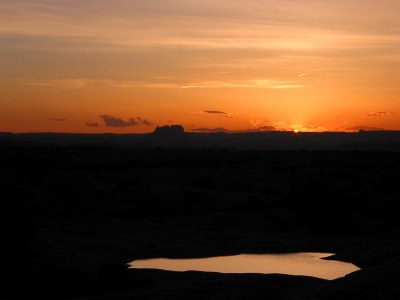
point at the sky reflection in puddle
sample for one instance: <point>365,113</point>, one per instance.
<point>307,264</point>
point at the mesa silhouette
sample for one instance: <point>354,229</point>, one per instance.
<point>174,136</point>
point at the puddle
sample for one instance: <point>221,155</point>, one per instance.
<point>306,264</point>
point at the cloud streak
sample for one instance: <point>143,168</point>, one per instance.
<point>215,112</point>
<point>126,84</point>
<point>224,130</point>
<point>253,83</point>
<point>92,124</point>
<point>364,128</point>
<point>267,128</point>
<point>379,114</point>
<point>187,22</point>
<point>210,130</point>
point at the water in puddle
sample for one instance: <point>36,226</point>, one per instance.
<point>306,264</point>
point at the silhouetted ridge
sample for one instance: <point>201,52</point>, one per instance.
<point>7,134</point>
<point>175,136</point>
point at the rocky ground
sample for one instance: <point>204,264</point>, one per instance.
<point>73,217</point>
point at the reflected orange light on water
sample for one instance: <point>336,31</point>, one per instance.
<point>306,264</point>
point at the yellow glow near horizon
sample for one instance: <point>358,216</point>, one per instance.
<point>308,65</point>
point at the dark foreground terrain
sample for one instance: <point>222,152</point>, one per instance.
<point>73,216</point>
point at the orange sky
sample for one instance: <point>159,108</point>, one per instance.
<point>130,65</point>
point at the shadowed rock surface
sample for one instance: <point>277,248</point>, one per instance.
<point>174,136</point>
<point>73,216</point>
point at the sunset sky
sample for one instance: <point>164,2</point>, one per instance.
<point>130,65</point>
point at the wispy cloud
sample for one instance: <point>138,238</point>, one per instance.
<point>215,112</point>
<point>126,84</point>
<point>59,83</point>
<point>144,122</point>
<point>243,24</point>
<point>364,128</point>
<point>310,127</point>
<point>254,83</point>
<point>210,130</point>
<point>266,128</point>
<point>259,123</point>
<point>92,124</point>
<point>224,130</point>
<point>303,74</point>
<point>287,126</point>
<point>379,114</point>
